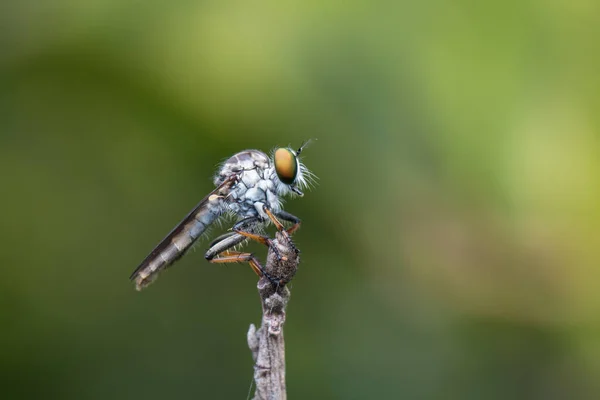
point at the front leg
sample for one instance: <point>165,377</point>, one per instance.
<point>286,216</point>
<point>286,233</point>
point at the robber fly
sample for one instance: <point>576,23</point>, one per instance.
<point>249,186</point>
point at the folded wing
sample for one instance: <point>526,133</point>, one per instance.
<point>181,238</point>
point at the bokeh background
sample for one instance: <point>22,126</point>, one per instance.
<point>450,251</point>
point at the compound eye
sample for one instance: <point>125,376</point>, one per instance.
<point>286,165</point>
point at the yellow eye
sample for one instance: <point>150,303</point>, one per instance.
<point>286,165</point>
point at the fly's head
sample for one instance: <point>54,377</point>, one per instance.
<point>291,172</point>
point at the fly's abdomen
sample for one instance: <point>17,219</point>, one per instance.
<point>177,242</point>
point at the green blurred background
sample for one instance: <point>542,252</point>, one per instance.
<point>450,251</point>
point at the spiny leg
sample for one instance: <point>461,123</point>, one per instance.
<point>273,218</point>
<point>247,224</point>
<point>225,243</point>
<point>230,239</point>
<point>221,238</point>
<point>238,257</point>
<point>288,217</point>
<point>261,239</point>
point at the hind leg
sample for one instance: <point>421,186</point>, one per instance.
<point>238,257</point>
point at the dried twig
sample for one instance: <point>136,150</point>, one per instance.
<point>267,343</point>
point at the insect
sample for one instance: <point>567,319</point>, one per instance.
<point>282,259</point>
<point>249,186</point>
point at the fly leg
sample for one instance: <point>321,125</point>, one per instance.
<point>219,253</point>
<point>260,239</point>
<point>251,259</point>
<point>265,212</point>
<point>287,217</point>
<point>238,257</point>
<point>274,248</point>
<point>230,239</point>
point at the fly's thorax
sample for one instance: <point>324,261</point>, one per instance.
<point>250,179</point>
<point>254,186</point>
<point>249,204</point>
<point>242,162</point>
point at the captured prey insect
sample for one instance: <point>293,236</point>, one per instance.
<point>249,185</point>
<point>282,259</point>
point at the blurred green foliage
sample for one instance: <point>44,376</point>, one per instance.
<point>451,250</point>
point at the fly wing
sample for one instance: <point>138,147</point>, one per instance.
<point>181,238</point>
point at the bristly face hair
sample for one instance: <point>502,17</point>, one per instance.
<point>306,178</point>
<point>291,171</point>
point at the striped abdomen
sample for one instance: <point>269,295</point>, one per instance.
<point>181,238</point>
